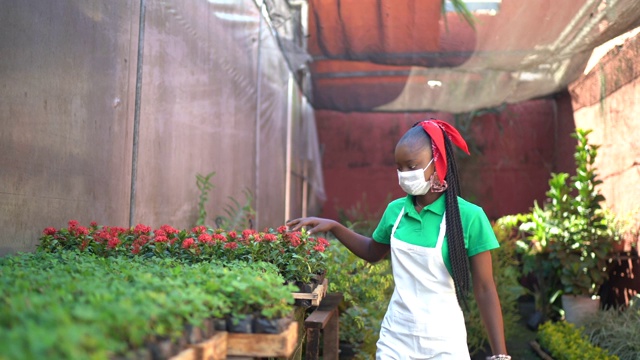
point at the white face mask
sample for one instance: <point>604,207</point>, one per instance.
<point>413,182</point>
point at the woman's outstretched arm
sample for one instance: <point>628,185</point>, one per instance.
<point>362,246</point>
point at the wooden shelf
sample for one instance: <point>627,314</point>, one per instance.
<point>315,296</point>
<point>263,345</point>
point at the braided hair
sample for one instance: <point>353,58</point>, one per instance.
<point>455,237</point>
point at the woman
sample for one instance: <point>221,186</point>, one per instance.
<point>439,244</point>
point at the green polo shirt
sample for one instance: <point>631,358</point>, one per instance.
<point>422,229</point>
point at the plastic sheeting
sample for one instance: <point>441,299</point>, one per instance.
<point>403,56</point>
<point>215,96</point>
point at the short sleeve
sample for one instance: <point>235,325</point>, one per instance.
<point>382,234</point>
<point>480,234</point>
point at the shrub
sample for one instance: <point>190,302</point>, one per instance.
<point>506,275</point>
<point>566,342</point>
<point>617,331</point>
<point>367,290</point>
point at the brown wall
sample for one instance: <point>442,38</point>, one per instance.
<point>514,150</point>
<point>606,100</point>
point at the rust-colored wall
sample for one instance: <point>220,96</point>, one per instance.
<point>606,101</point>
<point>513,153</point>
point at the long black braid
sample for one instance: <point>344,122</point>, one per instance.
<point>455,237</point>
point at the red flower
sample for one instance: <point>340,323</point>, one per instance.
<point>169,229</point>
<point>319,248</point>
<point>231,245</point>
<point>246,234</point>
<point>84,245</point>
<point>113,242</point>
<point>80,230</point>
<point>188,243</point>
<point>141,229</point>
<point>199,229</point>
<point>232,235</point>
<point>282,229</point>
<point>294,239</point>
<point>205,239</point>
<point>219,238</point>
<point>94,224</point>
<point>270,237</point>
<point>73,224</point>
<point>135,250</point>
<point>323,242</point>
<point>49,231</point>
<point>159,232</point>
<point>143,239</point>
<point>161,239</point>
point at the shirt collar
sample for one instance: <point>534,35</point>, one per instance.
<point>437,206</point>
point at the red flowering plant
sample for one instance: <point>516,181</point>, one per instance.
<point>301,256</point>
<point>298,256</point>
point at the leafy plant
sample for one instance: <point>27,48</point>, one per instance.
<point>616,330</point>
<point>367,289</point>
<point>506,277</point>
<point>569,239</point>
<point>238,216</point>
<point>566,342</point>
<point>204,185</point>
<point>74,305</point>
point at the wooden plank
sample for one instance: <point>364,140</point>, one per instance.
<point>313,344</point>
<point>319,317</point>
<point>215,348</point>
<point>331,338</point>
<point>263,345</point>
<point>315,296</point>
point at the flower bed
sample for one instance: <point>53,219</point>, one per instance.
<point>74,305</point>
<point>297,256</point>
<point>566,342</point>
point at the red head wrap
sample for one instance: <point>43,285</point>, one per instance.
<point>434,128</point>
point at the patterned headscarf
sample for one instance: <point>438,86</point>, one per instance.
<point>434,129</point>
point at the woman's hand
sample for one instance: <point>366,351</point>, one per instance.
<point>312,224</point>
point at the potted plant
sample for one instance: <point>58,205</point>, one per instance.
<point>571,235</point>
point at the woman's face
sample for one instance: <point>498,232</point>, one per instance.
<point>413,158</point>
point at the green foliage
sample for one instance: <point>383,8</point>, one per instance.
<point>506,276</point>
<point>72,305</point>
<point>566,243</point>
<point>238,215</point>
<point>360,217</point>
<point>204,185</point>
<point>617,331</point>
<point>566,342</point>
<point>367,289</point>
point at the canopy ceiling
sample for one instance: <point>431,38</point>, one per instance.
<point>405,55</point>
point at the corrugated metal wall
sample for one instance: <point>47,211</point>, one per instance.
<point>215,96</point>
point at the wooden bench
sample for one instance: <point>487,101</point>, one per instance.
<point>324,318</point>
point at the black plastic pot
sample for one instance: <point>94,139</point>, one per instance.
<point>269,326</point>
<point>240,324</point>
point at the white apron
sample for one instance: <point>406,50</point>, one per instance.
<point>424,320</point>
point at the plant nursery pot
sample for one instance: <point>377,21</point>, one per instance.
<point>240,324</point>
<point>220,324</point>
<point>306,288</point>
<point>578,307</point>
<point>270,326</point>
<point>318,278</point>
